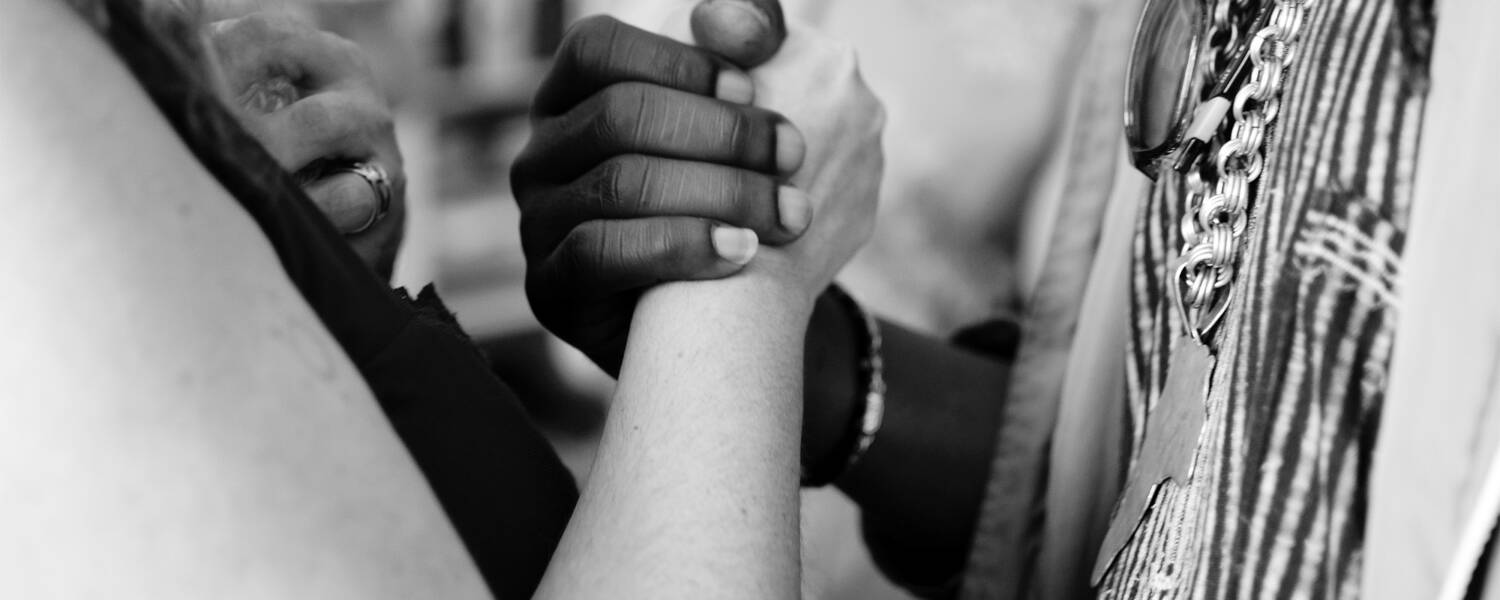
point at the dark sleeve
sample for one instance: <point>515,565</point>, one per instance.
<point>498,480</point>
<point>996,338</point>
<point>923,572</point>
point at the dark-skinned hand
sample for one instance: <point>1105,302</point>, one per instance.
<point>648,164</point>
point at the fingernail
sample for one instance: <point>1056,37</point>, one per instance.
<point>790,148</point>
<point>743,31</point>
<point>738,11</point>
<point>735,86</point>
<point>795,209</point>
<point>734,244</point>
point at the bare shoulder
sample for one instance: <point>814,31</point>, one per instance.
<point>123,231</point>
<point>170,407</point>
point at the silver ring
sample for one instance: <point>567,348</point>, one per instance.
<point>380,183</point>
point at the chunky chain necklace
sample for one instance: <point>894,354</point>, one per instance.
<point>1213,229</point>
<point>1214,225</point>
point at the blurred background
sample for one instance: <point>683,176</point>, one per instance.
<point>972,89</point>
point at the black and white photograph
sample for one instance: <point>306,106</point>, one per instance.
<point>750,299</point>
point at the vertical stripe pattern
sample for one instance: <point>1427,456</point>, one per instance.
<point>1275,505</point>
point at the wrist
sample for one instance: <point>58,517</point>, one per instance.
<point>758,292</point>
<point>866,411</point>
<point>831,379</point>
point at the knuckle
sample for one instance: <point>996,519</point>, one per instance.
<point>344,51</point>
<point>624,111</point>
<point>271,25</point>
<point>366,112</point>
<point>584,250</point>
<point>823,52</point>
<point>844,69</point>
<point>233,38</point>
<point>856,93</point>
<point>667,245</point>
<point>605,45</point>
<point>566,256</point>
<point>314,117</point>
<point>683,69</point>
<point>581,43</point>
<point>619,187</point>
<point>601,249</point>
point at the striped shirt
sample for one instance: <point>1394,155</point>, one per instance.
<point>1276,502</point>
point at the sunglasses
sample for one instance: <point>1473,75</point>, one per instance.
<point>1165,119</point>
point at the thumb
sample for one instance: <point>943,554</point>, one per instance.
<point>746,32</point>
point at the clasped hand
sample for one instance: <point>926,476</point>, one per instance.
<point>654,160</point>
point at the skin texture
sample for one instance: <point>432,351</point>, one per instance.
<point>310,97</point>
<point>238,450</point>
<point>745,32</point>
<point>708,374</point>
<point>234,451</point>
<point>921,484</point>
<point>632,167</point>
<point>177,422</point>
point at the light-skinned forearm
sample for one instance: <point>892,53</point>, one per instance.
<point>694,490</point>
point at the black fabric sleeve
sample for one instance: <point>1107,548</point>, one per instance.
<point>498,480</point>
<point>996,338</point>
<point>496,476</point>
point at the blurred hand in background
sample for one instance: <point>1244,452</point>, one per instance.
<point>311,98</point>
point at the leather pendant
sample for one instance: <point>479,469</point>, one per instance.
<point>1172,430</point>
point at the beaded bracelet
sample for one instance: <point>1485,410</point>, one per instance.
<point>866,419</point>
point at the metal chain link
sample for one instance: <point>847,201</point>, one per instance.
<point>1214,225</point>
<point>1222,36</point>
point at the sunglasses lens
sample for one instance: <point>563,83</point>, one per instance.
<point>1159,71</point>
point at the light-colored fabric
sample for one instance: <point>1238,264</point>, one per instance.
<point>1434,461</point>
<point>973,91</point>
<point>1086,454</point>
<point>1036,526</point>
<point>1087,450</point>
